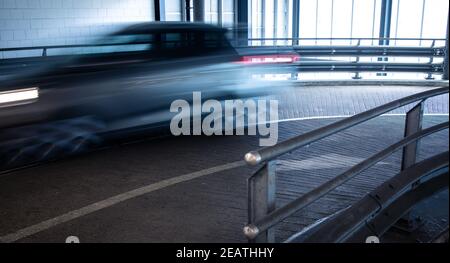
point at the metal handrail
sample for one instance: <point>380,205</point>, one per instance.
<point>262,183</point>
<point>356,66</point>
<point>84,45</point>
<point>371,82</point>
<point>271,152</point>
<point>45,48</point>
<point>392,212</point>
<point>63,46</point>
<point>358,49</point>
<point>387,48</point>
<point>252,230</point>
<point>344,224</point>
<point>367,51</point>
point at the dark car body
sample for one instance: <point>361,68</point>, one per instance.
<point>126,81</point>
<point>94,80</point>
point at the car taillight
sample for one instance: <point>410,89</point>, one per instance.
<point>268,59</point>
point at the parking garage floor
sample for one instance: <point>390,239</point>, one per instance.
<point>193,188</point>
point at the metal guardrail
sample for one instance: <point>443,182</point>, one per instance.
<point>380,221</point>
<point>261,185</point>
<point>381,208</point>
<point>370,82</point>
<point>296,41</point>
<point>46,48</point>
<point>381,53</point>
<point>365,51</point>
<point>302,50</point>
<point>356,67</point>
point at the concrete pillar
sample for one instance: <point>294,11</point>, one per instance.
<point>199,10</point>
<point>160,10</point>
<point>445,76</point>
<point>241,9</point>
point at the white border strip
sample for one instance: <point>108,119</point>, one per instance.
<point>346,116</point>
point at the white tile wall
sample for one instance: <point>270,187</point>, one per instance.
<point>64,22</point>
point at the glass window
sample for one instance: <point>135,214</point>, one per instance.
<point>227,13</point>
<point>270,19</point>
<point>211,12</point>
<point>419,19</point>
<point>173,10</point>
<point>173,41</point>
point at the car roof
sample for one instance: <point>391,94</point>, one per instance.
<point>157,27</point>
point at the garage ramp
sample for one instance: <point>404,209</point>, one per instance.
<point>193,188</point>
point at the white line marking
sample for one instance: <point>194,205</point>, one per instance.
<point>339,116</point>
<point>346,116</point>
<point>31,230</point>
<point>327,161</point>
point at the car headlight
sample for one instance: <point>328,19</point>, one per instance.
<point>12,97</point>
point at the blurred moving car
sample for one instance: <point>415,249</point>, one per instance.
<point>126,81</point>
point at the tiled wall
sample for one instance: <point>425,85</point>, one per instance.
<point>26,23</point>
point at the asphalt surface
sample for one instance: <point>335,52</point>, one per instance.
<point>193,188</point>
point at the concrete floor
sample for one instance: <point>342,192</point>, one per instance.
<point>193,189</point>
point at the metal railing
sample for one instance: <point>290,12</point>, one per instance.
<point>311,50</point>
<point>262,212</point>
<point>383,207</point>
<point>380,53</point>
<point>49,47</point>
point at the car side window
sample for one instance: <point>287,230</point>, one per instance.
<point>122,43</point>
<point>212,40</point>
<point>173,41</point>
<point>180,43</point>
<point>199,42</point>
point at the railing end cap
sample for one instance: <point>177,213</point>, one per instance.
<point>251,231</point>
<point>252,158</point>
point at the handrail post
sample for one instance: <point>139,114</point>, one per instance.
<point>430,74</point>
<point>295,22</point>
<point>413,124</point>
<point>261,199</point>
<point>357,76</point>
